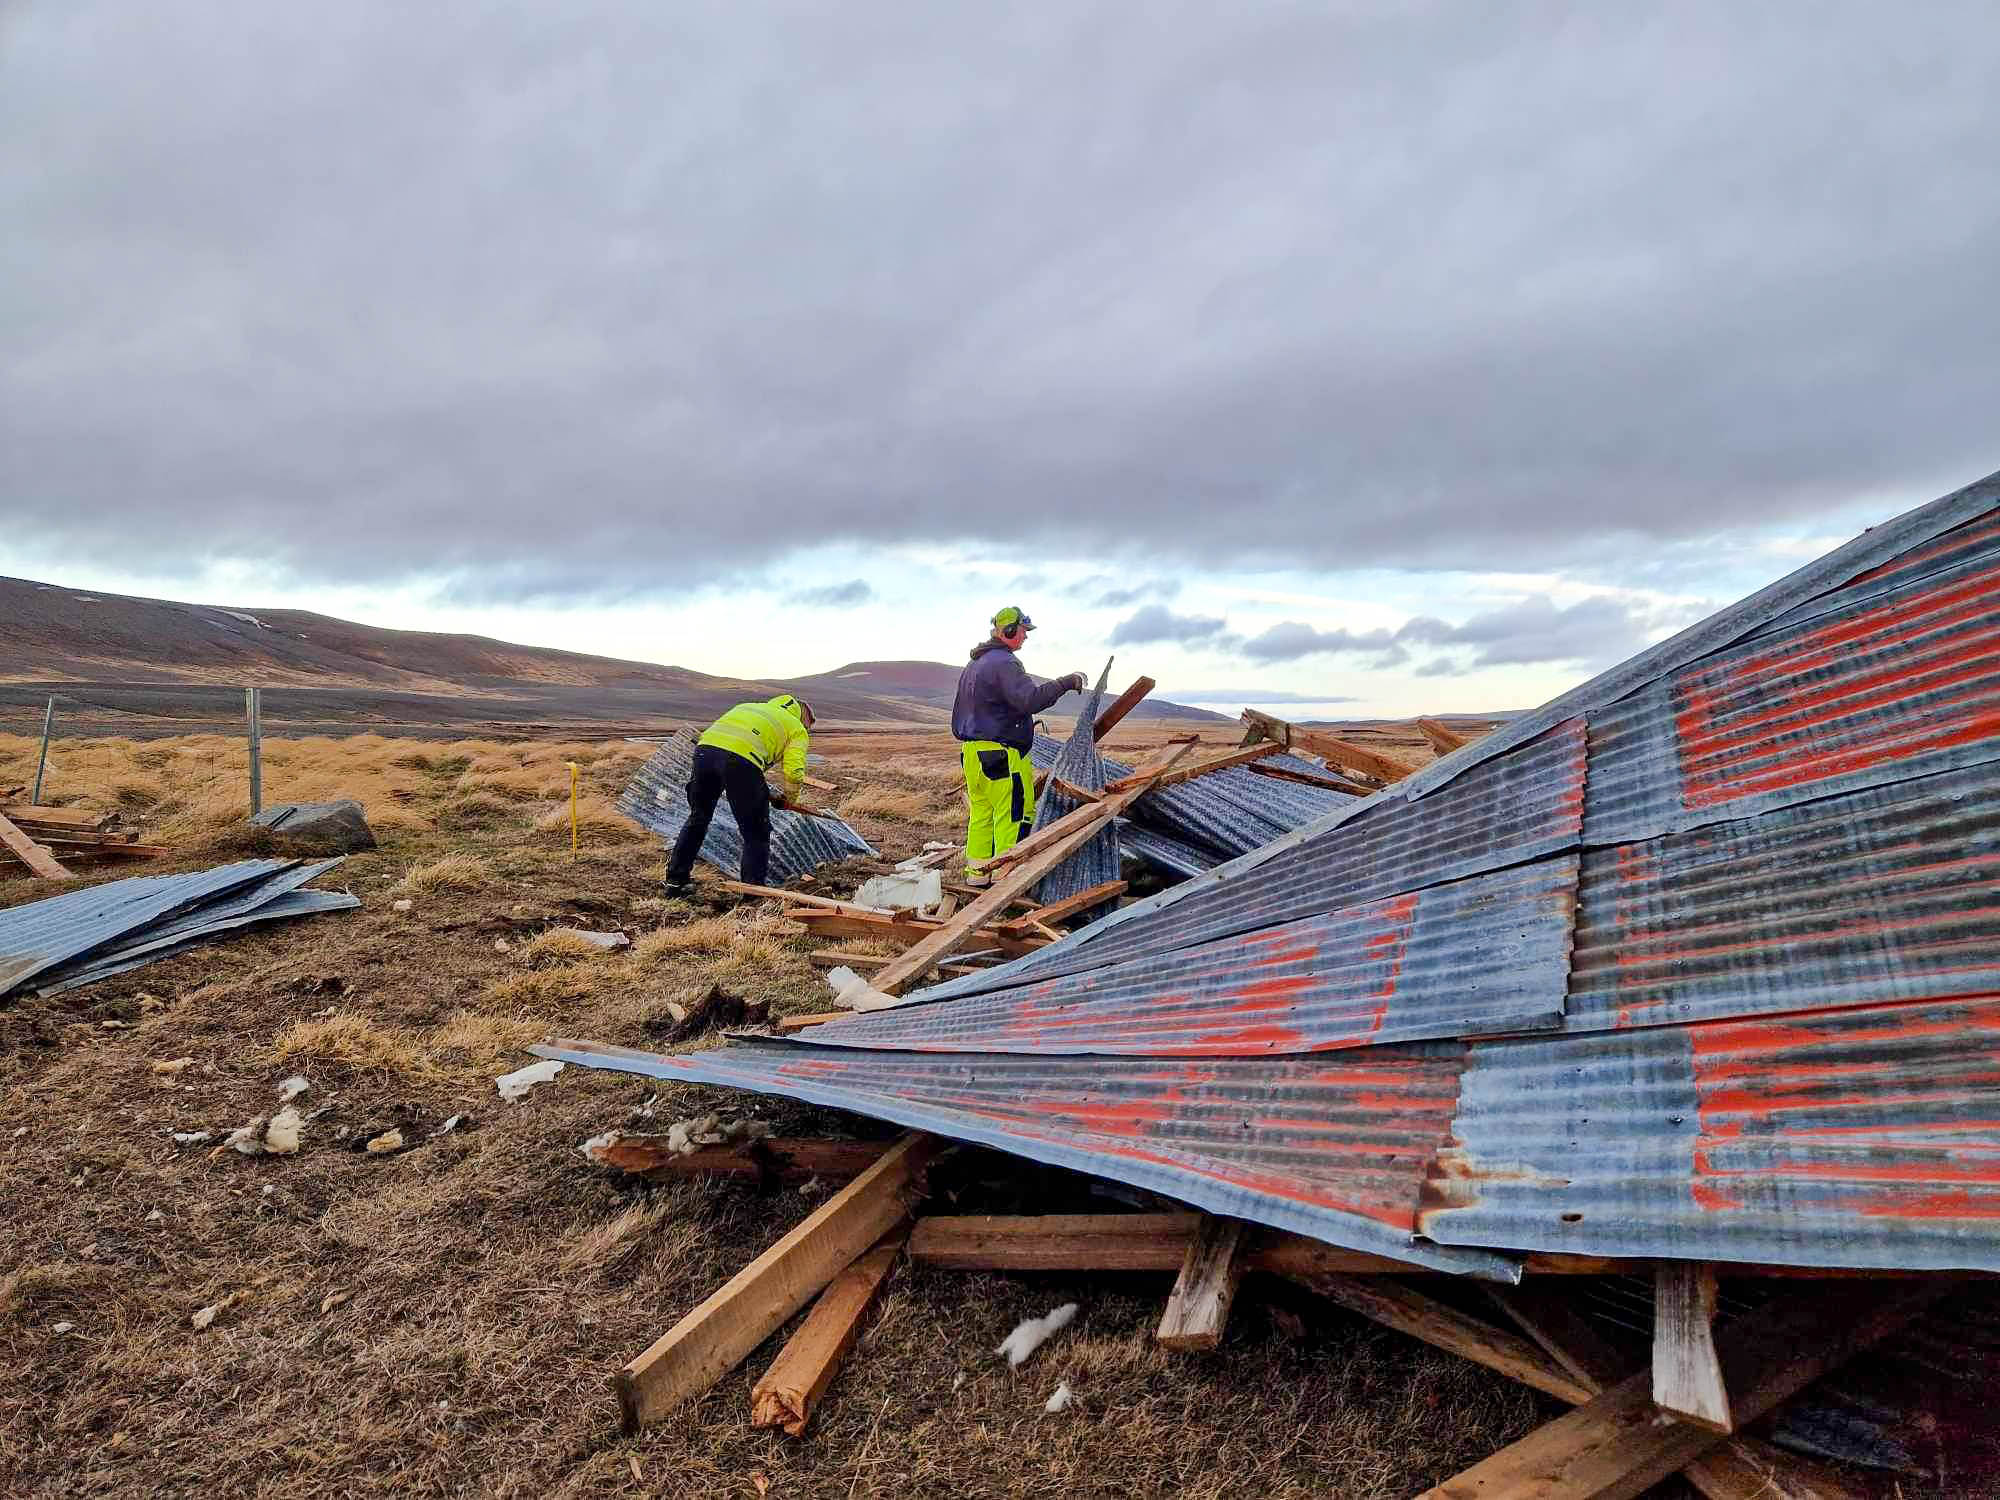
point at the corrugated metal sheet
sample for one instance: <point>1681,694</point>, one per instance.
<point>656,798</point>
<point>1339,1155</point>
<point>1866,1138</point>
<point>1895,677</point>
<point>1486,954</point>
<point>1079,764</point>
<point>42,934</point>
<point>1170,855</point>
<point>123,959</point>
<point>1510,811</point>
<point>1883,894</point>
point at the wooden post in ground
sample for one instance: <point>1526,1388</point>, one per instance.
<point>42,765</point>
<point>253,711</point>
<point>754,1303</point>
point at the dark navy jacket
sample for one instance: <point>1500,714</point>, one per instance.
<point>997,700</point>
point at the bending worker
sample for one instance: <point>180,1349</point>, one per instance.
<point>730,761</point>
<point>994,716</point>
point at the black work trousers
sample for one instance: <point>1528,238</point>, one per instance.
<point>719,773</point>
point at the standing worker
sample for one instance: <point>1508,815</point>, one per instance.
<point>730,761</point>
<point>994,716</point>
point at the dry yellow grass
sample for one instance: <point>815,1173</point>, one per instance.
<point>704,935</point>
<point>549,949</point>
<point>452,872</point>
<point>352,1039</point>
<point>897,805</point>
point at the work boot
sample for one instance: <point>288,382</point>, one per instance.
<point>978,879</point>
<point>678,889</point>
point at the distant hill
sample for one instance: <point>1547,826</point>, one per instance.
<point>120,662</point>
<point>933,684</point>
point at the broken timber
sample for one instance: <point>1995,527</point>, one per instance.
<point>805,1367</point>
<point>754,1303</point>
<point>30,853</point>
<point>1114,712</point>
<point>1443,738</point>
<point>1687,1377</point>
<point>1198,1306</point>
<point>1329,748</point>
<point>775,1157</point>
<point>1069,906</point>
<point>1616,1446</point>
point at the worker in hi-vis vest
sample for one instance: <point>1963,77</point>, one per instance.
<point>994,718</point>
<point>730,761</point>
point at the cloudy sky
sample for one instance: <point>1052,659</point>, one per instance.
<point>1399,356</point>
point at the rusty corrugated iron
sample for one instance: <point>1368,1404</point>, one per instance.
<point>1486,954</point>
<point>1339,1154</point>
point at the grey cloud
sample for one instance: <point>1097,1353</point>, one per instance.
<point>1156,623</point>
<point>1596,631</point>
<point>1293,640</point>
<point>1251,695</point>
<point>1120,598</point>
<point>373,291</point>
<point>854,591</point>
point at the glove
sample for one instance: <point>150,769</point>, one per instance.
<point>1076,681</point>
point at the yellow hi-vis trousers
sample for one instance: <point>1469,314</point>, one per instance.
<point>999,800</point>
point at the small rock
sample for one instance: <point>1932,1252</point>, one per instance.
<point>322,827</point>
<point>387,1141</point>
<point>19,1131</point>
<point>404,905</point>
<point>191,1137</point>
<point>329,1303</point>
<point>172,1068</point>
<point>292,1087</point>
<point>500,945</point>
<point>156,1217</point>
<point>61,1327</point>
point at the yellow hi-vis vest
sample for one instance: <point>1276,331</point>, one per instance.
<point>763,734</point>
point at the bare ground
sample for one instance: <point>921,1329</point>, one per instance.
<point>441,1320</point>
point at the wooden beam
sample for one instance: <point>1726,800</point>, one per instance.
<point>832,958</point>
<point>1616,1446</point>
<point>754,1303</point>
<point>1326,780</point>
<point>785,1159</point>
<point>1743,1468</point>
<point>1328,747</point>
<point>1406,1310</point>
<point>805,1367</point>
<point>1069,906</point>
<point>1016,879</point>
<point>1116,1242</point>
<point>1113,713</point>
<point>1198,1306</point>
<point>1242,755</point>
<point>1443,738</point>
<point>30,853</point>
<point>1687,1376</point>
<point>68,817</point>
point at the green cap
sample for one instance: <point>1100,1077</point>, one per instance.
<point>1010,616</point>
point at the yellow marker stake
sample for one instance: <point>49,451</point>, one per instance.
<point>572,809</point>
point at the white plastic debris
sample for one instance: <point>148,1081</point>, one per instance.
<point>61,1327</point>
<point>449,1125</point>
<point>598,1143</point>
<point>191,1137</point>
<point>606,940</point>
<point>517,1083</point>
<point>1063,1399</point>
<point>906,890</point>
<point>958,1381</point>
<point>276,1136</point>
<point>19,1131</point>
<point>852,992</point>
<point>1032,1333</point>
<point>292,1087</point>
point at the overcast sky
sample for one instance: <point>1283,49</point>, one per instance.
<point>1414,356</point>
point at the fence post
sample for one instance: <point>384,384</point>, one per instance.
<point>253,708</point>
<point>48,718</point>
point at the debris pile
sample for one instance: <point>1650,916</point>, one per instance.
<point>54,842</point>
<point>1692,971</point>
<point>85,935</point>
<point>656,799</point>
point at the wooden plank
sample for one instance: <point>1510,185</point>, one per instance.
<point>1407,1310</point>
<point>790,1390</point>
<point>1443,738</point>
<point>1113,713</point>
<point>1012,882</point>
<point>1327,780</point>
<point>1242,755</point>
<point>68,817</point>
<point>1616,1446</point>
<point>1198,1306</point>
<point>780,1158</point>
<point>1069,906</point>
<point>833,958</point>
<point>1687,1376</point>
<point>30,853</point>
<point>1112,1242</point>
<point>1549,1317</point>
<point>754,1303</point>
<point>1328,747</point>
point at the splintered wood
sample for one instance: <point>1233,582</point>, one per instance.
<point>754,1303</point>
<point>1198,1306</point>
<point>805,1367</point>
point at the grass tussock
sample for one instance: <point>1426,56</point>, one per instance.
<point>452,872</point>
<point>895,804</point>
<point>703,935</point>
<point>550,949</point>
<point>355,1040</point>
